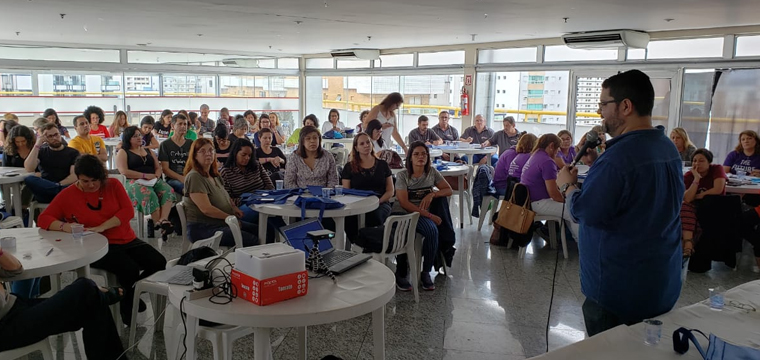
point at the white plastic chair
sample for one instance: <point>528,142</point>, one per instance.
<point>159,290</point>
<point>234,225</point>
<point>552,221</point>
<point>490,203</point>
<point>183,223</point>
<point>42,346</point>
<point>404,236</point>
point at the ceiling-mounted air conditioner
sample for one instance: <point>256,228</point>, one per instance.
<point>357,54</point>
<point>607,39</point>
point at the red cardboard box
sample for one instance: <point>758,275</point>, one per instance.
<point>272,290</point>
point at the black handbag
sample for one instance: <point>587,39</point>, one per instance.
<point>194,255</point>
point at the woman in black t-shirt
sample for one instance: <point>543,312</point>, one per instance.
<point>163,127</point>
<point>364,171</point>
<point>270,157</point>
<point>222,144</point>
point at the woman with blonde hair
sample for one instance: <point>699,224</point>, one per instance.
<point>686,148</point>
<point>120,123</point>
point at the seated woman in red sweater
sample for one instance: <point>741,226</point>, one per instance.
<point>103,206</point>
<point>703,179</point>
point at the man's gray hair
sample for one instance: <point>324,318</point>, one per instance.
<point>205,107</point>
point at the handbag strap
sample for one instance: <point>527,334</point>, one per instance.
<point>321,208</point>
<point>512,197</point>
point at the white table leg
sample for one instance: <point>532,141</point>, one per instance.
<point>192,326</point>
<point>378,333</point>
<point>262,348</point>
<point>84,272</point>
<point>302,338</point>
<point>16,191</point>
<point>340,233</point>
<point>173,332</point>
<point>460,182</point>
<point>263,227</point>
<point>7,197</point>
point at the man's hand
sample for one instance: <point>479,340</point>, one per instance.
<point>486,143</point>
<point>40,140</point>
<point>568,175</point>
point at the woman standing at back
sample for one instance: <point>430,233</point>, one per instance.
<point>385,112</point>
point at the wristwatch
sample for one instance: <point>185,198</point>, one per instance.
<point>564,187</point>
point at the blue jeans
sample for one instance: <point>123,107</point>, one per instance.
<point>27,289</point>
<point>200,231</point>
<point>598,319</point>
<point>442,236</point>
<point>477,157</point>
<point>44,190</point>
<point>178,186</point>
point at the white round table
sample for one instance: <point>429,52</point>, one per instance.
<point>11,184</point>
<point>470,151</point>
<point>32,245</point>
<point>361,290</point>
<point>344,141</point>
<point>354,205</point>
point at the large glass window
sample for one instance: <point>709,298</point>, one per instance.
<point>441,58</point>
<point>564,53</point>
<point>685,48</point>
<point>189,85</point>
<point>748,45</point>
<point>536,99</point>
<point>79,84</point>
<point>15,84</point>
<point>397,60</point>
<point>21,52</point>
<point>513,55</point>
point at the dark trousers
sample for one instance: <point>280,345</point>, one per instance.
<point>131,263</point>
<point>437,238</point>
<point>80,305</point>
<point>200,231</point>
<point>44,190</point>
<point>598,319</point>
<point>750,230</point>
<point>178,186</point>
<point>373,218</point>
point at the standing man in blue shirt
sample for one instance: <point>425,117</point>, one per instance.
<point>628,210</point>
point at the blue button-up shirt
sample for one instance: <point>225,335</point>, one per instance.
<point>630,228</point>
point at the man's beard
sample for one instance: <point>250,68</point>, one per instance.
<point>54,145</point>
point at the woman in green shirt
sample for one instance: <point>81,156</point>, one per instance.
<point>309,120</point>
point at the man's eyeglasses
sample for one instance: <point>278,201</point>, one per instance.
<point>53,136</point>
<point>604,103</point>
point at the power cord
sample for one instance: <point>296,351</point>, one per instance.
<point>225,290</point>
<point>140,339</point>
<point>554,278</point>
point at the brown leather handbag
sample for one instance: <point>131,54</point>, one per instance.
<point>515,217</point>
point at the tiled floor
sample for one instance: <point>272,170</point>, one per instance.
<point>492,305</point>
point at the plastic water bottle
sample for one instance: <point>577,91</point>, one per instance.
<point>716,298</point>
<point>652,331</point>
<point>741,174</point>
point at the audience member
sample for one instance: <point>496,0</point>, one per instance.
<point>85,142</point>
<point>243,174</point>
<point>103,206</point>
<point>523,151</point>
<point>746,156</point>
<point>6,127</point>
<point>446,132</point>
<point>566,151</point>
<point>120,122</point>
<point>224,117</point>
<point>683,144</point>
<point>146,128</point>
<point>239,130</point>
<point>222,145</point>
<point>266,123</point>
<point>163,126</point>
<point>478,134</point>
<point>506,138</point>
<point>190,134</point>
<point>539,175</point>
<point>173,153</point>
<point>375,132</point>
<point>270,157</point>
<point>277,127</point>
<point>250,117</point>
<point>204,124</point>
<point>38,123</point>
<point>149,193</point>
<point>421,133</point>
<point>310,164</point>
<point>363,120</point>
<point>53,165</point>
<point>96,117</point>
<point>18,146</point>
<point>207,203</point>
<point>52,116</point>
<point>81,305</point>
<point>385,112</point>
<point>416,192</point>
<point>333,122</point>
<point>309,120</point>
<point>364,171</point>
<point>703,179</point>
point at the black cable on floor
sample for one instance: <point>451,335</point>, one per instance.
<point>554,278</point>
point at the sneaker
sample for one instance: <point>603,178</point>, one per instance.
<point>402,284</point>
<point>425,281</point>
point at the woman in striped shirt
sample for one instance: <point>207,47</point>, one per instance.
<point>242,174</point>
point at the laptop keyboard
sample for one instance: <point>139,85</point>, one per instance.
<point>184,277</point>
<point>336,257</point>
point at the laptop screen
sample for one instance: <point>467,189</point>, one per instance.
<point>295,236</point>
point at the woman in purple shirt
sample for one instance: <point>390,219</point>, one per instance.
<point>566,149</point>
<point>539,175</point>
<point>502,175</point>
<point>746,156</point>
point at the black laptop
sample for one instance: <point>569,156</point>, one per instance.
<point>338,261</point>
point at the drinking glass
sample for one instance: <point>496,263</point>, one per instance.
<point>652,331</point>
<point>279,184</point>
<point>77,231</point>
<point>338,190</point>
